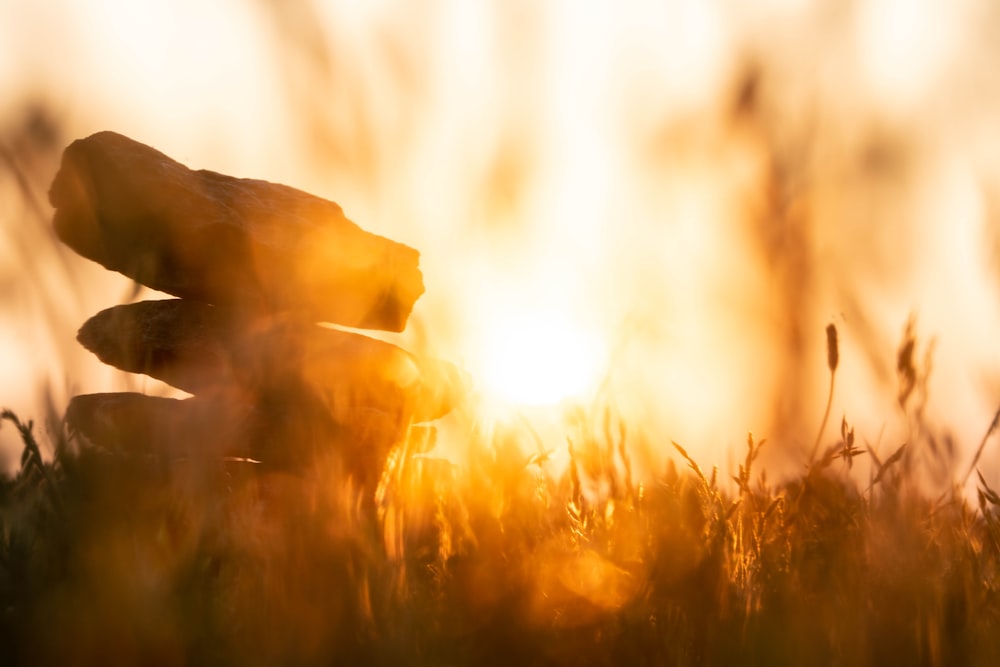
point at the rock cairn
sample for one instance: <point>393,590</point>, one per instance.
<point>256,267</point>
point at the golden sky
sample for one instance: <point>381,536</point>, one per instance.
<point>674,198</point>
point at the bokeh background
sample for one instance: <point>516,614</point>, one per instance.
<point>661,202</point>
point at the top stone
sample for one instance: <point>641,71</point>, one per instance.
<point>200,235</point>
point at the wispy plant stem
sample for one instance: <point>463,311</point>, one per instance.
<point>832,360</point>
<point>982,446</point>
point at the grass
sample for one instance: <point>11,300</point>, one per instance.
<point>109,560</point>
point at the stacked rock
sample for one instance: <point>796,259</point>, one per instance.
<point>256,267</point>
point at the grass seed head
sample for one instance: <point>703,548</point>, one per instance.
<point>832,350</point>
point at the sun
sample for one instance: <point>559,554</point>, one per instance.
<point>539,359</point>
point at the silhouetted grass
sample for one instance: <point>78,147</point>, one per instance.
<point>112,560</point>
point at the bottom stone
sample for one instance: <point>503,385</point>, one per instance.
<point>287,431</point>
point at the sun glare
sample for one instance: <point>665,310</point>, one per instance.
<point>538,359</point>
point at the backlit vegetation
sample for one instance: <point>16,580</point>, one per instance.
<point>501,559</point>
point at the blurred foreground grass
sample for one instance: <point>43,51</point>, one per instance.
<point>111,560</point>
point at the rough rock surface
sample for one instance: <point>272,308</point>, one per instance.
<point>138,424</point>
<point>275,434</point>
<point>201,235</point>
<point>198,347</point>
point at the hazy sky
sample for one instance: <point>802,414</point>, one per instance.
<point>678,195</point>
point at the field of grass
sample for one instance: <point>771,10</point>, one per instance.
<point>111,560</point>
